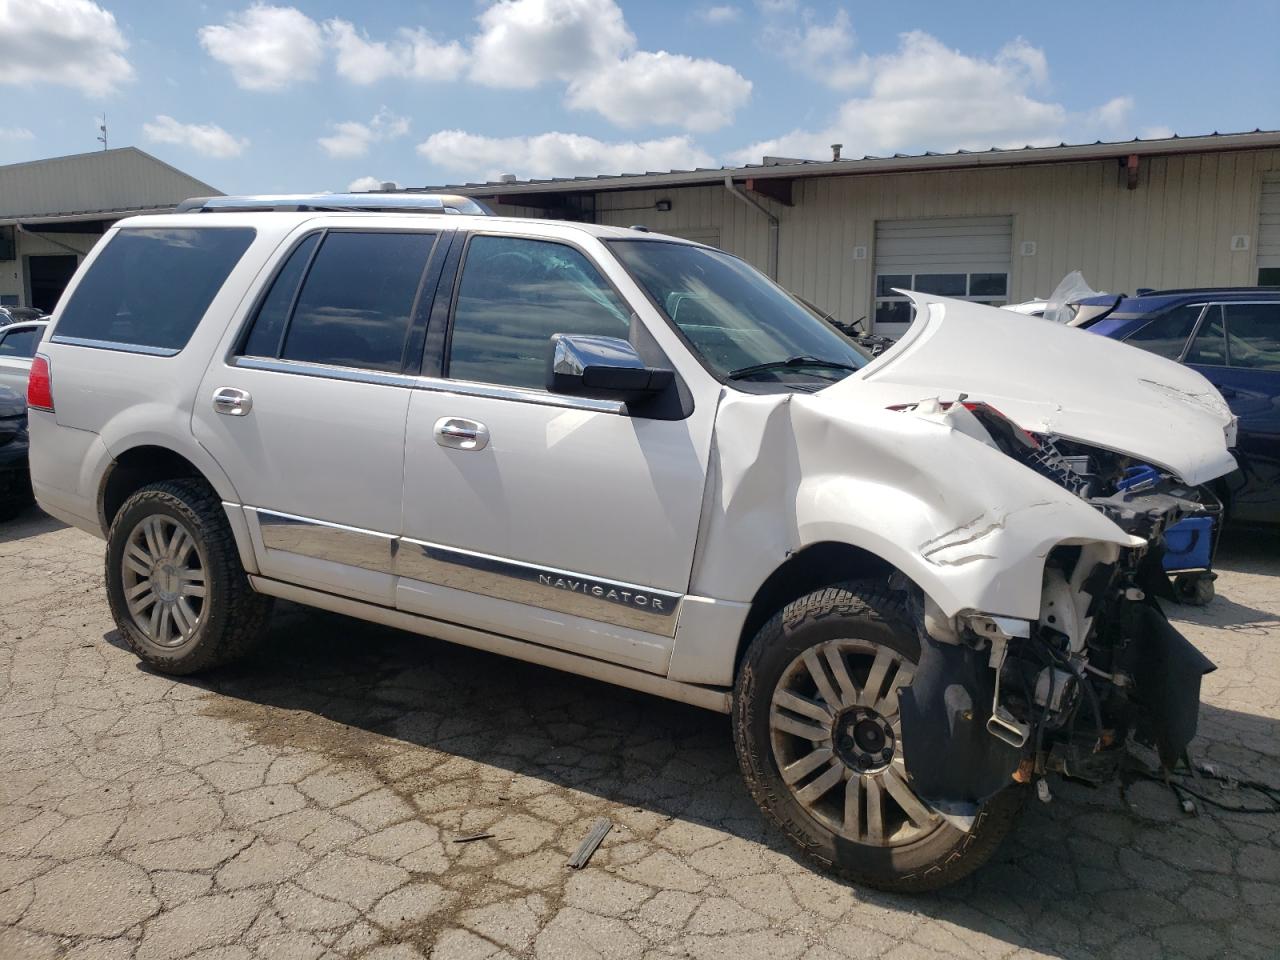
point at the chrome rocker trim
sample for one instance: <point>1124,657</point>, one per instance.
<point>549,588</point>
<point>577,594</point>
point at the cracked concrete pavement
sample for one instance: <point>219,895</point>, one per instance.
<point>310,801</point>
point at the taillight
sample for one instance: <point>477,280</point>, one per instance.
<point>40,385</point>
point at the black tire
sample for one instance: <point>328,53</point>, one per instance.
<point>866,613</point>
<point>1194,589</point>
<point>232,615</point>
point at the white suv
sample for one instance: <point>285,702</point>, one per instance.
<point>914,582</point>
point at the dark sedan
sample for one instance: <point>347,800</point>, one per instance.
<point>1232,336</point>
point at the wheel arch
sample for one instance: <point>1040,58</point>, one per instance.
<point>815,566</point>
<point>144,463</point>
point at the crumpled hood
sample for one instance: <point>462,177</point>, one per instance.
<point>1056,380</point>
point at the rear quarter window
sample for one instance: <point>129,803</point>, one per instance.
<point>150,287</point>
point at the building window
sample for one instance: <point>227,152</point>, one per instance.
<point>989,288</point>
<point>1269,276</point>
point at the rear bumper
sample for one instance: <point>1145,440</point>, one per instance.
<point>68,508</point>
<point>66,467</point>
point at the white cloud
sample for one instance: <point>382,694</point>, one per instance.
<point>662,88</point>
<point>415,55</point>
<point>352,139</point>
<point>824,51</point>
<point>16,133</point>
<point>205,138</point>
<point>556,155</point>
<point>1113,116</point>
<point>364,184</point>
<point>926,95</point>
<point>588,45</point>
<point>720,14</point>
<point>266,48</point>
<point>523,43</point>
<point>1156,132</point>
<point>74,43</point>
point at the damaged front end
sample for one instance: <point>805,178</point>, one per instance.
<point>997,699</point>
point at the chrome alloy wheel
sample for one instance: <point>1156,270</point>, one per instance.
<point>837,741</point>
<point>163,576</point>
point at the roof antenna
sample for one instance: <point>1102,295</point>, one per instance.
<point>102,127</point>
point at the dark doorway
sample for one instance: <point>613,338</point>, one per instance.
<point>48,277</point>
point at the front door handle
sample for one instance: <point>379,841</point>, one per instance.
<point>232,401</point>
<point>459,433</point>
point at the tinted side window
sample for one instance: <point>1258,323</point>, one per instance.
<point>150,287</point>
<point>1210,344</point>
<point>515,293</point>
<point>1167,335</point>
<point>357,300</point>
<point>264,339</point>
<point>1254,332</point>
<point>20,343</point>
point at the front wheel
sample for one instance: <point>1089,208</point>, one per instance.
<point>175,584</point>
<point>819,740</point>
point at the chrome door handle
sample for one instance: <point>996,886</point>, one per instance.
<point>461,434</point>
<point>232,402</point>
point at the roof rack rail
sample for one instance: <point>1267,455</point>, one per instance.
<point>1155,292</point>
<point>339,202</point>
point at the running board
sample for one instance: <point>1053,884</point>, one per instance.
<point>708,698</point>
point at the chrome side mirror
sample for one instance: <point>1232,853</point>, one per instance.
<point>606,368</point>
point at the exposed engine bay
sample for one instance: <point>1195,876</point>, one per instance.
<point>998,699</point>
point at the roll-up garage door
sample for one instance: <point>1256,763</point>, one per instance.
<point>963,257</point>
<point>1269,232</point>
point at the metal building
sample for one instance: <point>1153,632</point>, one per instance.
<point>997,226</point>
<point>53,211</point>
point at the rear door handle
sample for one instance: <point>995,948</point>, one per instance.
<point>232,401</point>
<point>458,433</point>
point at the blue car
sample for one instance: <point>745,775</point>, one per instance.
<point>1232,336</point>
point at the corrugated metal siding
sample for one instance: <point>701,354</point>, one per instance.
<point>120,179</point>
<point>1175,229</point>
<point>1269,223</point>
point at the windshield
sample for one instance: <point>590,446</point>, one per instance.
<point>744,326</point>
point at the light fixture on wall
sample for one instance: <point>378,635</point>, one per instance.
<point>662,205</point>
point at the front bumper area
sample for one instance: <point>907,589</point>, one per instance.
<point>996,700</point>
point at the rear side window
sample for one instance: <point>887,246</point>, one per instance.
<point>1210,345</point>
<point>19,343</point>
<point>264,340</point>
<point>1253,330</point>
<point>150,287</point>
<point>1167,335</point>
<point>355,304</point>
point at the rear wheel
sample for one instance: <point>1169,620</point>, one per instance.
<point>175,584</point>
<point>819,740</point>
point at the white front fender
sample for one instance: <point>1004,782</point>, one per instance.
<point>969,525</point>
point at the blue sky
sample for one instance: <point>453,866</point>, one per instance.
<point>318,96</point>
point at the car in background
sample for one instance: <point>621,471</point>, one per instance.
<point>15,479</point>
<point>1029,308</point>
<point>14,314</point>
<point>18,343</point>
<point>1232,337</point>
